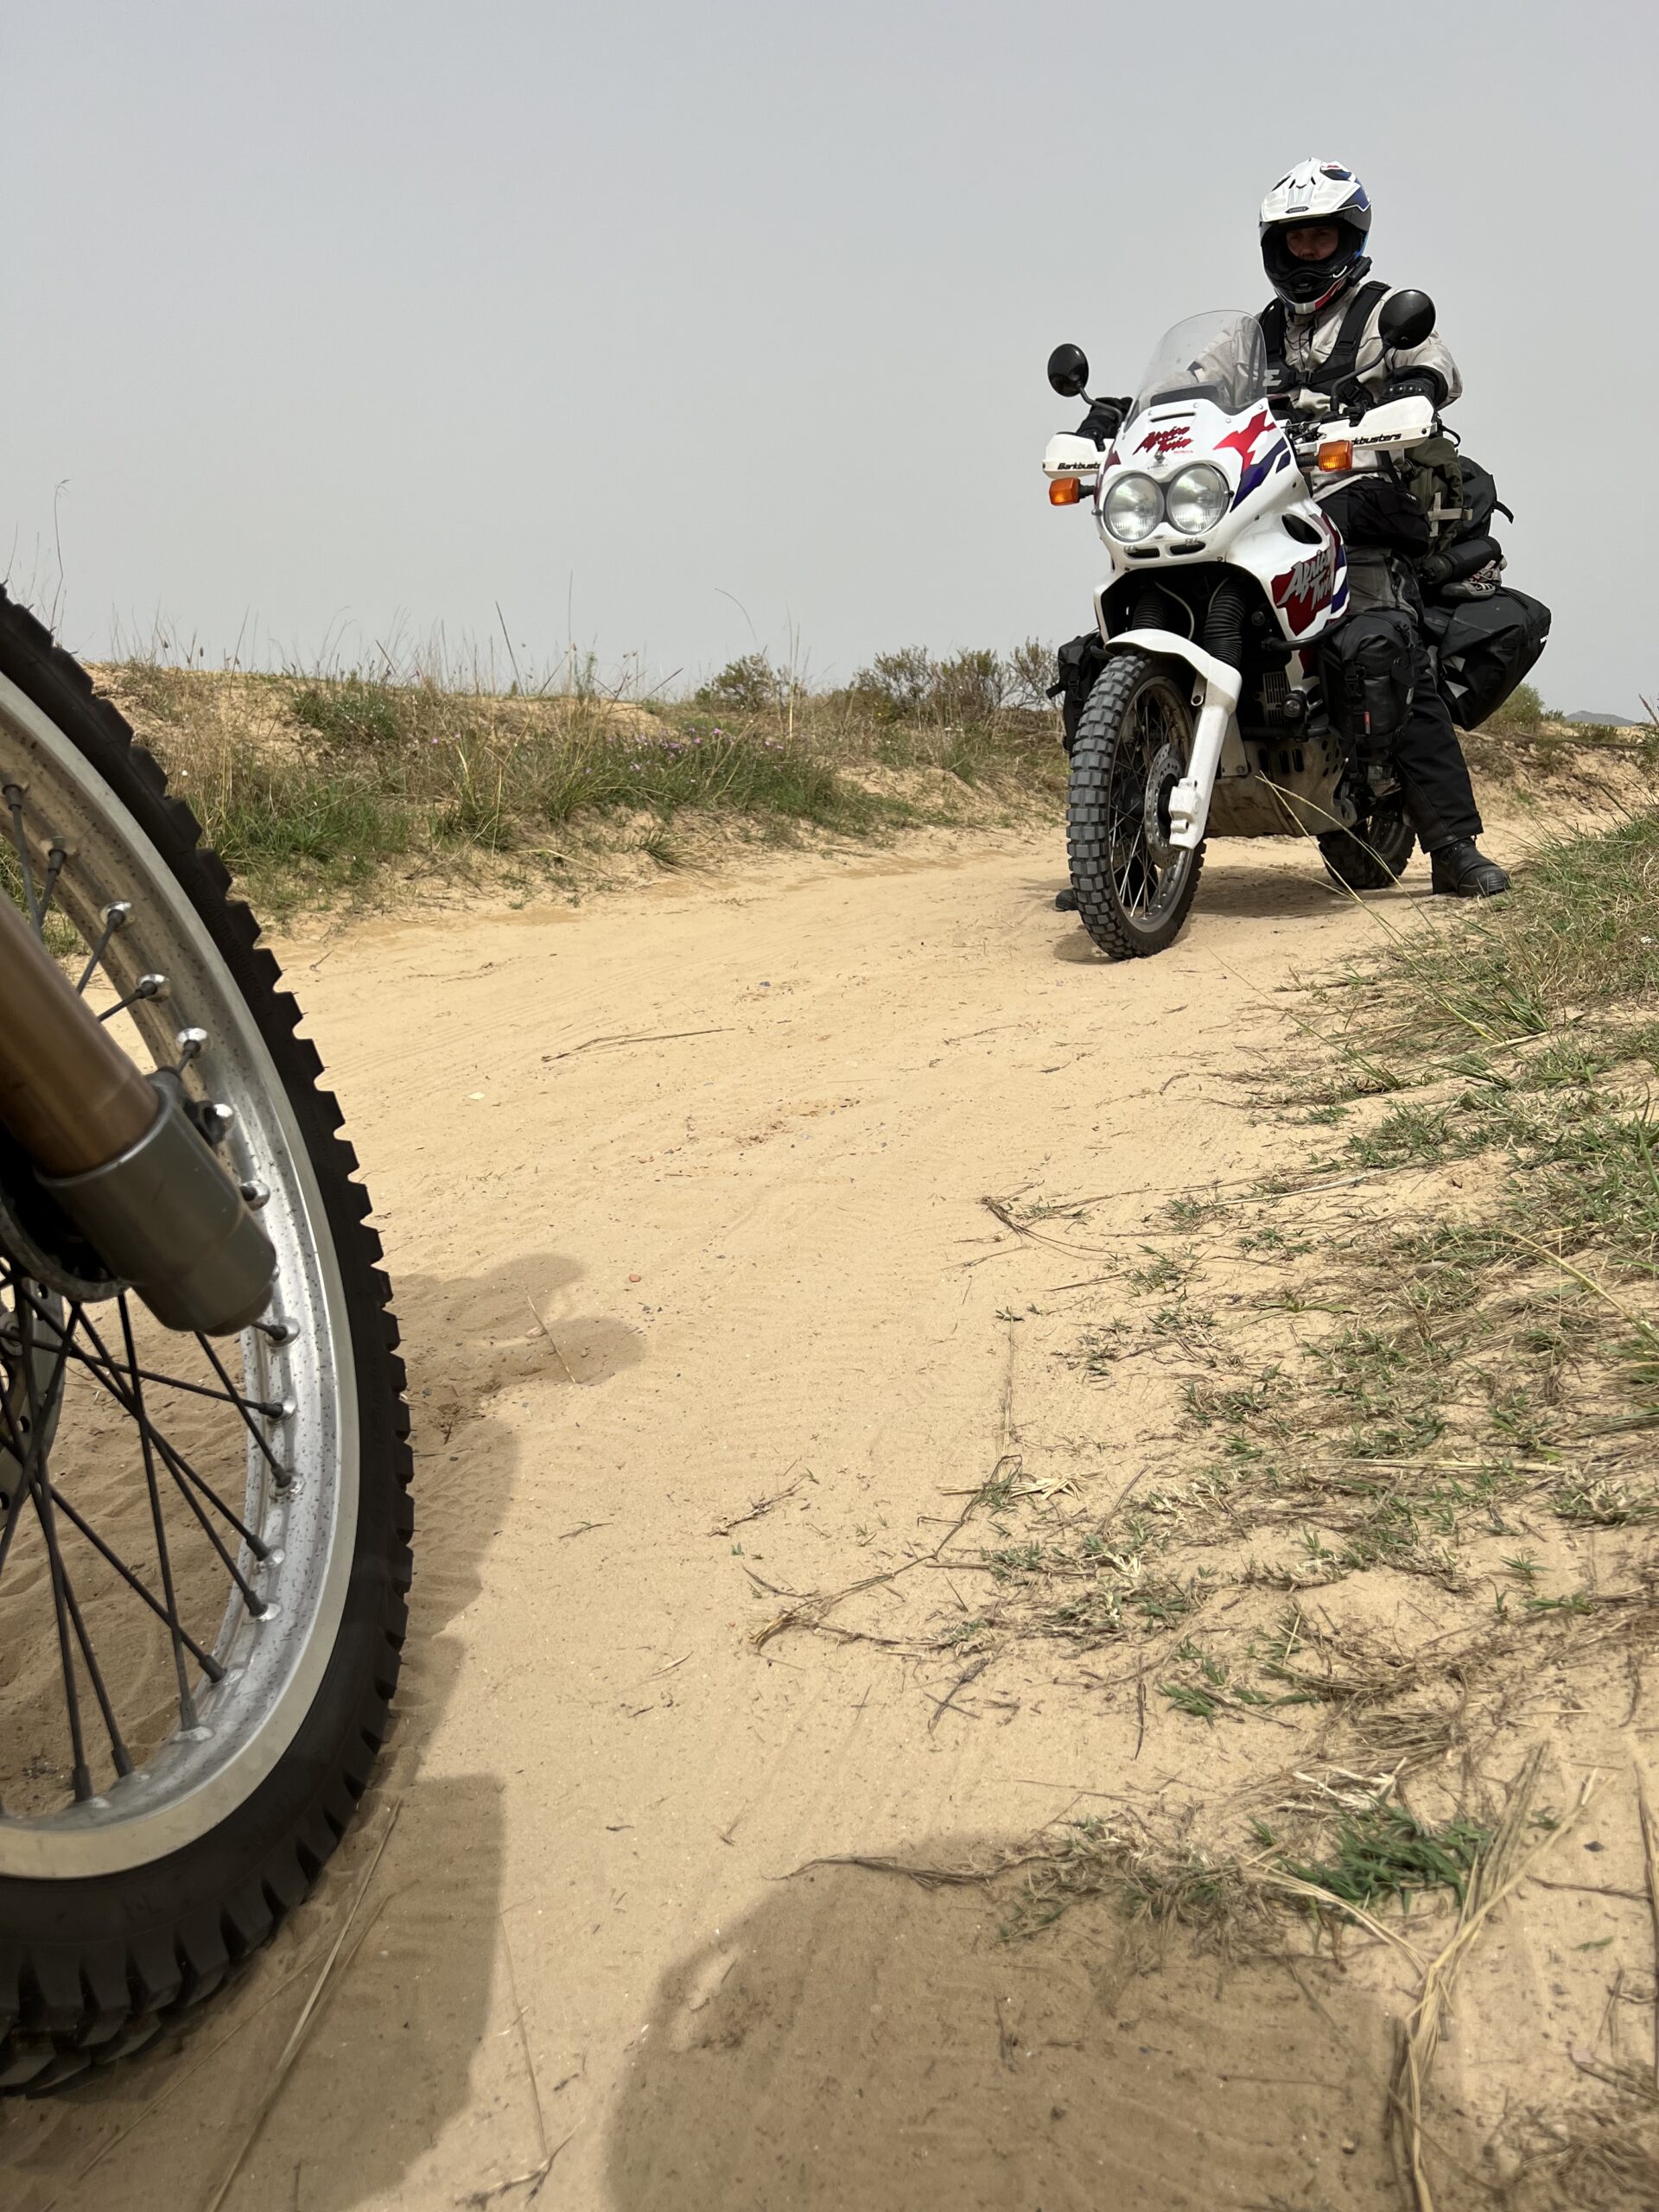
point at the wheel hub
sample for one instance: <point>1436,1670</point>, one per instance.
<point>39,1238</point>
<point>1165,772</point>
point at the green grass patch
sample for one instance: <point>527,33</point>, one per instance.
<point>1581,935</point>
<point>1386,1851</point>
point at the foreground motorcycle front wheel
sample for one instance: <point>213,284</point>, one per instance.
<point>204,1546</point>
<point>1373,855</point>
<point>1133,745</point>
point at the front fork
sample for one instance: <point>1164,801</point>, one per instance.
<point>1218,687</point>
<point>117,1152</point>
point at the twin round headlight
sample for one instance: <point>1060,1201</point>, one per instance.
<point>1194,502</point>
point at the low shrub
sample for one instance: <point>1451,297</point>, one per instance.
<point>1521,713</point>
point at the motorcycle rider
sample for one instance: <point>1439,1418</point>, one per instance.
<point>1322,339</point>
<point>1322,336</point>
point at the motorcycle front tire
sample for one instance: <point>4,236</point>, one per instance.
<point>94,1966</point>
<point>1134,743</point>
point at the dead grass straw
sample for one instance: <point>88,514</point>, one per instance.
<point>1651,1858</point>
<point>1499,1874</point>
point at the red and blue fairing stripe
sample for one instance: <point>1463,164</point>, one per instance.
<point>1258,471</point>
<point>1274,456</point>
<point>1339,596</point>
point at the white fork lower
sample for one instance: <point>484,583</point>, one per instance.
<point>1218,690</point>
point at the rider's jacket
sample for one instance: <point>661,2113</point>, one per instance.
<point>1334,351</point>
<point>1310,340</point>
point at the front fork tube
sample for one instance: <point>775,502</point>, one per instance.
<point>1189,803</point>
<point>1216,688</point>
<point>118,1152</point>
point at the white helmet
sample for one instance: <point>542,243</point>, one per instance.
<point>1315,192</point>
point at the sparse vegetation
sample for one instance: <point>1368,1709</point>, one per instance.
<point>1522,710</point>
<point>315,785</point>
<point>1386,1853</point>
<point>1460,1394</point>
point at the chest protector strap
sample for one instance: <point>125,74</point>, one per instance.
<point>1335,374</point>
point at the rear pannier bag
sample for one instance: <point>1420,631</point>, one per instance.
<point>1485,647</point>
<point>1366,665</point>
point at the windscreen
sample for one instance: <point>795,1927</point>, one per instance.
<point>1219,356</point>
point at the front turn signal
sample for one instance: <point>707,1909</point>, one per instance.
<point>1064,491</point>
<point>1335,454</point>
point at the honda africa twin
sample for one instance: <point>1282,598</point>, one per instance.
<point>1209,715</point>
<point>204,1519</point>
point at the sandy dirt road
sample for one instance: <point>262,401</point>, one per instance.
<point>682,1196</point>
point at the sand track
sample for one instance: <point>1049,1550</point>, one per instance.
<point>680,1192</point>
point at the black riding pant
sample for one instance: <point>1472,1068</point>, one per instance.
<point>1433,775</point>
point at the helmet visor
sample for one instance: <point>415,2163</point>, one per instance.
<point>1297,277</point>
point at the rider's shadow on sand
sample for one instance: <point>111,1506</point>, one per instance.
<point>421,1987</point>
<point>860,2041</point>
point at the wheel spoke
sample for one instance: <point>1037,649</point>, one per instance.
<point>48,1507</point>
<point>114,918</point>
<point>78,1520</point>
<point>108,1374</point>
<point>120,1757</point>
<point>280,1474</point>
<point>250,1598</point>
<point>147,986</point>
<point>204,1659</point>
<point>187,1703</point>
<point>54,859</point>
<point>14,1503</point>
<point>81,1779</point>
<point>227,1397</point>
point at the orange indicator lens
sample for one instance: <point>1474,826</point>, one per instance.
<point>1337,455</point>
<point>1064,491</point>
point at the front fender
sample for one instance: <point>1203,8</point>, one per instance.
<point>1219,686</point>
<point>1221,681</point>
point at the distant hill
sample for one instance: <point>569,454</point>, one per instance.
<point>1607,721</point>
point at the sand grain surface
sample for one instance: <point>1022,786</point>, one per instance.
<point>682,1193</point>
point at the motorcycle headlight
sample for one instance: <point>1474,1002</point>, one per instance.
<point>1133,509</point>
<point>1197,500</point>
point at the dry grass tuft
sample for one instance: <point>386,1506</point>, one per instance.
<point>313,786</point>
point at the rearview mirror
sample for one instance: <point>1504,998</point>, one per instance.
<point>1407,318</point>
<point>1068,372</point>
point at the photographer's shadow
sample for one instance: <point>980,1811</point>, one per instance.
<point>860,2040</point>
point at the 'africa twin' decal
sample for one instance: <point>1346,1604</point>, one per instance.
<point>1303,590</point>
<point>1166,442</point>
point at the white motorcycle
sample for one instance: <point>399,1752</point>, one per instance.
<point>1208,716</point>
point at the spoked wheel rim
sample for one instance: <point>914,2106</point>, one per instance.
<point>175,1542</point>
<point>1146,873</point>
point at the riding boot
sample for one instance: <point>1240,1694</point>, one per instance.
<point>1461,870</point>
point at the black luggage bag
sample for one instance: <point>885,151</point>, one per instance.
<point>1485,647</point>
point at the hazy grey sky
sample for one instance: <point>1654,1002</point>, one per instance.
<point>331,316</point>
